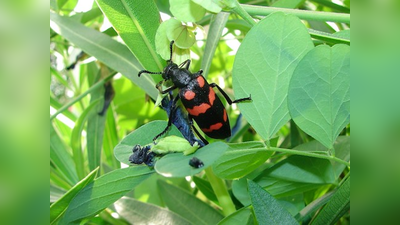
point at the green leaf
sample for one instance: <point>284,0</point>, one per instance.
<point>263,67</point>
<point>266,208</point>
<point>112,53</point>
<point>61,158</point>
<point>187,205</point>
<point>183,37</point>
<point>163,43</point>
<point>291,4</point>
<point>319,93</point>
<point>76,139</point>
<point>136,22</point>
<point>186,10</point>
<point>242,216</point>
<point>58,208</point>
<point>142,136</point>
<point>110,138</point>
<point>177,164</point>
<point>95,124</point>
<point>342,151</point>
<point>337,206</point>
<point>104,191</point>
<point>205,187</point>
<point>136,212</point>
<point>307,212</point>
<point>239,160</point>
<point>303,169</point>
<point>217,25</point>
<point>210,5</point>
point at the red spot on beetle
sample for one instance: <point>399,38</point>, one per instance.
<point>201,81</point>
<point>197,110</point>
<point>211,96</point>
<point>213,127</point>
<point>225,115</point>
<point>189,95</point>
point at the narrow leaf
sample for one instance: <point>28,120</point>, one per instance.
<point>263,67</point>
<point>76,139</point>
<point>104,191</point>
<point>136,212</point>
<point>242,216</point>
<point>319,93</point>
<point>187,205</point>
<point>112,53</point>
<point>266,208</point>
<point>136,22</point>
<point>239,161</point>
<point>217,25</point>
<point>96,123</point>
<point>58,208</point>
<point>337,206</point>
<point>61,158</point>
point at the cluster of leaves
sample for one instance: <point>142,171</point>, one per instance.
<point>288,159</point>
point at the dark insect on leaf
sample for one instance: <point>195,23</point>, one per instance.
<point>196,163</point>
<point>109,94</point>
<point>142,155</point>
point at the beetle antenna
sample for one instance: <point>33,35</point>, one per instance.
<point>170,49</point>
<point>146,71</point>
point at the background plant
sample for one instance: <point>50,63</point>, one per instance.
<point>290,152</point>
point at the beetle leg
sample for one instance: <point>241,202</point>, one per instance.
<point>170,118</point>
<point>227,97</point>
<point>187,62</point>
<point>196,131</point>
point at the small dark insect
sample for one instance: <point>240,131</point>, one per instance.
<point>199,99</point>
<point>142,155</point>
<point>109,94</point>
<point>196,163</point>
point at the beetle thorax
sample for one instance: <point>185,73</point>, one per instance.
<point>179,76</point>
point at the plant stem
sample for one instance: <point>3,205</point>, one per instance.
<point>315,155</point>
<point>221,192</point>
<point>243,13</point>
<point>302,14</point>
<point>78,98</point>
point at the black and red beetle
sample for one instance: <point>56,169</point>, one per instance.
<point>198,97</point>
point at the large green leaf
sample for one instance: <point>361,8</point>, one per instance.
<point>337,206</point>
<point>136,22</point>
<point>266,208</point>
<point>319,93</point>
<point>240,159</point>
<point>104,48</point>
<point>137,212</point>
<point>177,164</point>
<point>187,205</point>
<point>58,208</point>
<point>104,191</point>
<point>263,67</point>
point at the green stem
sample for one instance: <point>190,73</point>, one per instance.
<point>310,154</point>
<point>221,192</point>
<point>243,13</point>
<point>302,14</point>
<point>78,98</point>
